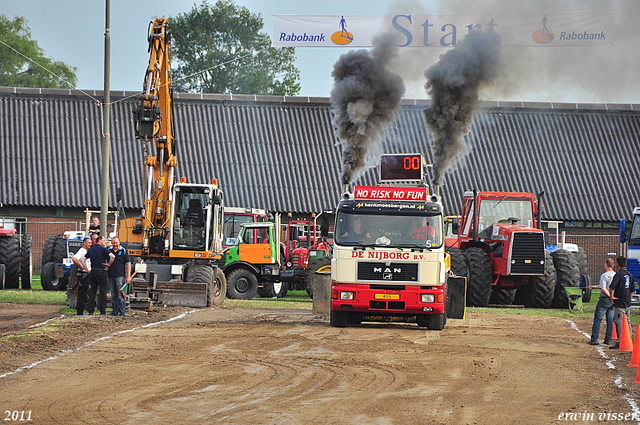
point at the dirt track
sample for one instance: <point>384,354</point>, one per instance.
<point>244,365</point>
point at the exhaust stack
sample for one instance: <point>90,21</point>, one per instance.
<point>345,191</point>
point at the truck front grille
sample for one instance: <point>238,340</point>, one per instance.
<point>393,272</point>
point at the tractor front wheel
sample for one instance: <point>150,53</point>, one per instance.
<point>480,277</point>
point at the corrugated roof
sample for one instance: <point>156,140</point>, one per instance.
<point>280,153</point>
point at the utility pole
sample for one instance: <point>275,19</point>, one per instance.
<point>106,137</point>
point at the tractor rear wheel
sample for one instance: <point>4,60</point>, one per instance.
<point>311,275</point>
<point>242,284</point>
<point>26,262</point>
<point>2,269</point>
<point>458,262</point>
<point>47,249</point>
<point>567,276</point>
<point>480,277</point>
<point>59,250</point>
<point>10,257</point>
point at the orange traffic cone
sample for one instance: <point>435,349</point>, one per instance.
<point>614,335</point>
<point>635,356</point>
<point>625,338</point>
<point>637,381</point>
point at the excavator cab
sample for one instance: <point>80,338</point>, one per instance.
<point>197,217</point>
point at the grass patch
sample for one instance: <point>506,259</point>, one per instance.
<point>35,295</point>
<point>294,300</point>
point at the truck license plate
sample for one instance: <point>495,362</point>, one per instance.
<point>387,296</point>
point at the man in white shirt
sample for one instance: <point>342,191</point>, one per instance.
<point>604,306</point>
<point>84,268</point>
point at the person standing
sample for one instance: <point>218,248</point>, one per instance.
<point>84,268</point>
<point>604,308</point>
<point>622,289</point>
<point>95,225</point>
<point>119,276</point>
<point>101,259</point>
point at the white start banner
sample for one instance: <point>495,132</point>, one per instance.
<point>580,28</point>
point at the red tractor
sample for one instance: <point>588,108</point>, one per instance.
<point>302,249</point>
<point>503,252</point>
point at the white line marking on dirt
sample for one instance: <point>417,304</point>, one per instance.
<point>45,322</point>
<point>618,380</point>
<point>90,343</point>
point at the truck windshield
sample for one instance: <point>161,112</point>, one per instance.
<point>389,230</point>
<point>499,211</point>
<point>634,235</point>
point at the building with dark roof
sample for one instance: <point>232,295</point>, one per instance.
<point>280,153</point>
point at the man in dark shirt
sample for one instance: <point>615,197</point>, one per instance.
<point>95,225</point>
<point>119,277</point>
<point>621,290</point>
<point>101,259</point>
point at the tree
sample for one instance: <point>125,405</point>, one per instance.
<point>33,69</point>
<point>220,49</point>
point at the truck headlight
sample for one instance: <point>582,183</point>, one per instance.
<point>428,298</point>
<point>347,296</point>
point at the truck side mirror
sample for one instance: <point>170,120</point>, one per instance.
<point>623,230</point>
<point>324,228</point>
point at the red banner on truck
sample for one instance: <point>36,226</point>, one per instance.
<point>416,194</point>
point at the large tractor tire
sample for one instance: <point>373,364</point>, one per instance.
<point>59,250</point>
<point>504,296</point>
<point>10,257</point>
<point>47,249</point>
<point>242,284</point>
<point>480,277</point>
<point>2,269</point>
<point>458,262</point>
<point>50,282</point>
<point>26,262</point>
<point>585,278</point>
<point>311,274</point>
<point>542,288</point>
<point>567,275</point>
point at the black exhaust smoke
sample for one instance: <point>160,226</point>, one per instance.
<point>453,85</point>
<point>364,96</point>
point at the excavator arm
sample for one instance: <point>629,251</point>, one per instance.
<point>153,124</point>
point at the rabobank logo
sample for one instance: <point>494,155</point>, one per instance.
<point>343,36</point>
<point>544,35</point>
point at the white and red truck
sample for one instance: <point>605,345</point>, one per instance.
<point>389,261</point>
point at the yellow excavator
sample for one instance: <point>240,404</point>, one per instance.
<point>177,238</point>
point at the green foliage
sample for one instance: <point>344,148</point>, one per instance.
<point>18,71</point>
<point>220,49</point>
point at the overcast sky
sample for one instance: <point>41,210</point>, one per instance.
<point>72,31</point>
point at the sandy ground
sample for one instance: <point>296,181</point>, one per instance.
<point>235,365</point>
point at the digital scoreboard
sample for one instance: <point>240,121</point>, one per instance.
<point>401,167</point>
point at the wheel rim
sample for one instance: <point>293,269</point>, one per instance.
<point>217,288</point>
<point>242,285</point>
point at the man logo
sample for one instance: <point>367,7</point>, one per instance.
<point>544,35</point>
<point>343,36</point>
